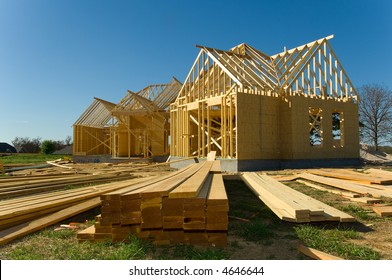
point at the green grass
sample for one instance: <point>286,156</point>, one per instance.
<point>28,158</point>
<point>335,242</point>
<point>358,212</point>
<point>63,245</point>
<point>257,231</point>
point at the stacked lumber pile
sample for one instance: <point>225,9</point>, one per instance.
<point>22,186</point>
<point>289,204</point>
<point>189,206</point>
<point>23,215</point>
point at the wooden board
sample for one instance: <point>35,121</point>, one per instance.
<point>192,186</point>
<point>352,175</point>
<point>383,211</point>
<point>32,226</point>
<point>289,204</point>
<point>346,185</point>
<point>334,191</point>
<point>316,254</point>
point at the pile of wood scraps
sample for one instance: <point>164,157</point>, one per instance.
<point>289,204</point>
<point>189,206</point>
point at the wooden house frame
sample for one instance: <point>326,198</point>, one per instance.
<point>92,129</point>
<point>261,110</point>
<point>143,121</point>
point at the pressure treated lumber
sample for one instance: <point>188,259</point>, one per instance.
<point>31,226</point>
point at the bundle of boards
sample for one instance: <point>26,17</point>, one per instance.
<point>189,206</point>
<point>289,204</point>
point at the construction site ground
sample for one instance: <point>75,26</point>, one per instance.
<point>254,233</point>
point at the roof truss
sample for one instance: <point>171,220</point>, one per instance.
<point>97,115</point>
<point>309,70</point>
<point>152,98</point>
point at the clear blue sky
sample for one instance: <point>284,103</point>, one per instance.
<point>55,56</point>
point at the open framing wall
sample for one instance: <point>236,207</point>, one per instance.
<point>137,126</point>
<point>92,129</point>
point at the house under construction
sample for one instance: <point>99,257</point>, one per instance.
<point>137,126</point>
<point>296,108</point>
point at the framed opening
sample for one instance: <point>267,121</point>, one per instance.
<point>337,129</point>
<point>315,127</point>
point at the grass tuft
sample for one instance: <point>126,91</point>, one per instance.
<point>358,212</point>
<point>336,242</point>
<point>255,231</point>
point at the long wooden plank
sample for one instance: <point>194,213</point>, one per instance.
<point>149,181</point>
<point>284,200</point>
<point>194,208</point>
<point>192,186</point>
<point>316,254</point>
<point>150,199</point>
<point>334,191</point>
<point>32,226</point>
<point>351,175</point>
<point>217,205</point>
<point>164,187</point>
<point>345,185</point>
<point>261,185</point>
<point>383,211</point>
<point>60,201</point>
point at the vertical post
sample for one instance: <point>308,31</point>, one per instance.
<point>199,132</point>
<point>208,129</point>
<point>202,127</point>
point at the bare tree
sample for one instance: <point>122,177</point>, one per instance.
<point>375,111</point>
<point>68,140</point>
<point>27,145</point>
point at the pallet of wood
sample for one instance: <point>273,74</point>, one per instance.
<point>189,206</point>
<point>289,204</point>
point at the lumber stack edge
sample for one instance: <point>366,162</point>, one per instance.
<point>189,206</point>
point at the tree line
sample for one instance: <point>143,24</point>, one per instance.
<point>35,145</point>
